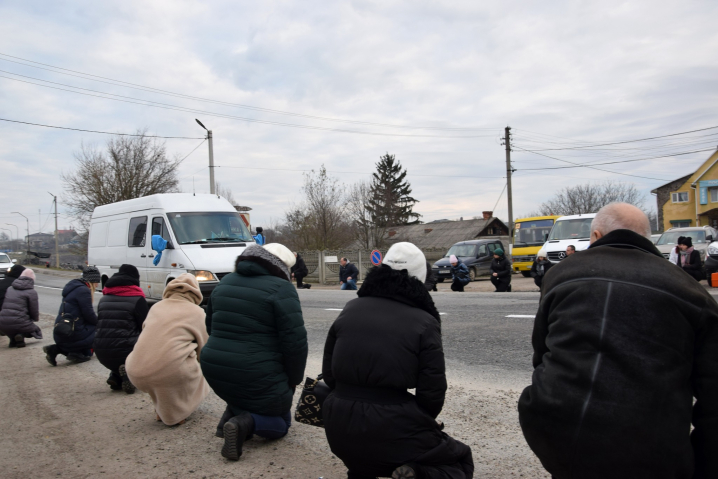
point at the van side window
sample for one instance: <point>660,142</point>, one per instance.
<point>159,228</point>
<point>482,250</point>
<point>138,228</point>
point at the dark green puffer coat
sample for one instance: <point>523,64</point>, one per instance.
<point>257,348</point>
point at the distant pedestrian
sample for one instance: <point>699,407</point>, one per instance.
<point>689,259</point>
<point>500,269</point>
<point>120,315</point>
<point>348,274</point>
<point>299,271</point>
<point>10,277</point>
<point>459,274</point>
<point>570,249</point>
<point>673,256</point>
<point>165,361</point>
<point>259,237</point>
<point>431,280</point>
<point>625,358</point>
<point>384,343</point>
<point>540,267</point>
<point>256,353</point>
<point>77,298</point>
<point>20,311</point>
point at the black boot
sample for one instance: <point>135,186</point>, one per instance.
<point>236,430</point>
<point>19,341</point>
<point>226,416</point>
<point>12,342</point>
<point>78,357</point>
<point>127,386</point>
<point>51,353</point>
<point>115,381</point>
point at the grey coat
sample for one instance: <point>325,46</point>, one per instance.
<point>20,309</point>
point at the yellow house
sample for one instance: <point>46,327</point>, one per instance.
<point>691,200</point>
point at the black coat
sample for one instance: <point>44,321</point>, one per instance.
<point>535,271</point>
<point>695,264</point>
<point>502,267</point>
<point>119,323</point>
<point>77,300</point>
<point>12,274</point>
<point>384,342</point>
<point>348,271</point>
<point>300,268</point>
<point>623,342</point>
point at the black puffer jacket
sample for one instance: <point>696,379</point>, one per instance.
<point>119,321</point>
<point>623,341</point>
<point>300,268</point>
<point>9,278</point>
<point>383,343</point>
<point>348,271</point>
<point>77,302</point>
<point>501,266</point>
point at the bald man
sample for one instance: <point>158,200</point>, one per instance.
<point>623,343</point>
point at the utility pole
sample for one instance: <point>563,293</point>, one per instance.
<point>57,236</point>
<point>211,157</point>
<point>509,170</point>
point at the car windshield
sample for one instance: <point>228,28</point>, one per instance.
<point>4,258</point>
<point>671,237</point>
<point>532,233</point>
<point>580,228</point>
<point>461,250</point>
<point>209,227</point>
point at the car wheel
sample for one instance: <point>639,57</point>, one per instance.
<point>440,280</point>
<point>472,274</point>
<point>526,274</point>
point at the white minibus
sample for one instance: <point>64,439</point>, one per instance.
<point>568,230</point>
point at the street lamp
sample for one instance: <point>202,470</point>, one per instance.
<point>211,156</point>
<point>17,231</point>
<point>28,233</point>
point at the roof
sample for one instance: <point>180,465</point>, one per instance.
<point>682,179</point>
<point>172,202</point>
<point>440,235</point>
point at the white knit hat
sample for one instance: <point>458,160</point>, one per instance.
<point>281,252</point>
<point>541,253</point>
<point>407,256</point>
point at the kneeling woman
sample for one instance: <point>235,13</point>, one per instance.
<point>382,344</point>
<point>165,359</point>
<point>20,312</point>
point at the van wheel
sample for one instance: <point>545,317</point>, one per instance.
<point>472,274</point>
<point>526,274</point>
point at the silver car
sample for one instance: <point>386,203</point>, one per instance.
<point>5,263</point>
<point>701,236</point>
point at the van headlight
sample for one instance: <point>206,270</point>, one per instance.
<point>202,275</point>
<point>713,250</point>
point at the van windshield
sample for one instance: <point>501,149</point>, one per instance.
<point>208,227</point>
<point>580,228</point>
<point>460,250</point>
<point>532,233</point>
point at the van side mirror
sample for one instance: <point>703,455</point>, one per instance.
<point>14,261</point>
<point>545,237</point>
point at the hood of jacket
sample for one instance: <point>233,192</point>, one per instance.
<point>23,282</point>
<point>385,282</point>
<point>72,286</point>
<point>184,287</point>
<point>257,254</point>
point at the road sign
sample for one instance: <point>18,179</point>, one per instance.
<point>376,257</point>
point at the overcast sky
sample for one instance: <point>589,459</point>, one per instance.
<point>561,74</point>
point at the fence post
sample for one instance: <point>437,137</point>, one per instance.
<point>322,275</point>
<point>361,267</point>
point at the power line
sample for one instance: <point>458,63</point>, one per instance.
<point>585,165</point>
<point>354,172</point>
<point>103,132</point>
<point>166,106</point>
<point>112,81</point>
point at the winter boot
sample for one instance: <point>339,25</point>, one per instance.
<point>508,290</point>
<point>127,386</point>
<point>307,286</point>
<point>226,416</point>
<point>115,381</point>
<point>78,357</point>
<point>236,431</point>
<point>12,342</point>
<point>51,353</point>
<point>19,341</point>
<point>407,471</point>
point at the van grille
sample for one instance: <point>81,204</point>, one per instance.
<point>556,255</point>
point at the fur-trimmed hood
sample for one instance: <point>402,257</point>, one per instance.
<point>273,265</point>
<point>385,282</point>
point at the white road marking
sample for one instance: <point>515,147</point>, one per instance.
<point>333,309</point>
<point>48,287</point>
<point>521,316</point>
<point>442,313</point>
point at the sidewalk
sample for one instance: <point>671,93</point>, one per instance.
<point>482,285</point>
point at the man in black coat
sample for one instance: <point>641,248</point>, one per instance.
<point>501,271</point>
<point>348,274</point>
<point>299,271</point>
<point>624,342</point>
<point>385,342</point>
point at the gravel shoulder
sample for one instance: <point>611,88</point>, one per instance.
<point>65,421</point>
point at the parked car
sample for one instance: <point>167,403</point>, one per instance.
<point>5,263</point>
<point>711,262</point>
<point>701,236</point>
<point>475,254</point>
<point>655,237</point>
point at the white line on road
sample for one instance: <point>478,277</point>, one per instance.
<point>442,313</point>
<point>48,287</point>
<point>333,309</point>
<point>520,316</point>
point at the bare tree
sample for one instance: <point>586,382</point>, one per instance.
<point>130,167</point>
<point>588,198</point>
<point>369,233</point>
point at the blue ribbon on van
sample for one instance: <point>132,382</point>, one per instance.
<point>158,244</point>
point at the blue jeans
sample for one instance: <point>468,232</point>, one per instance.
<point>270,427</point>
<point>349,284</point>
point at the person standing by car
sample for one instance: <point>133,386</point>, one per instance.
<point>299,271</point>
<point>259,237</point>
<point>20,311</point>
<point>500,272</point>
<point>540,267</point>
<point>76,306</point>
<point>689,259</point>
<point>673,256</point>
<point>348,274</point>
<point>459,274</point>
<point>570,249</point>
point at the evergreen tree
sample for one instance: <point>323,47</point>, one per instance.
<point>390,203</point>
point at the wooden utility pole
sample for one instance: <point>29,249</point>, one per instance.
<point>509,170</point>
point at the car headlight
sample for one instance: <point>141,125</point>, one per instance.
<point>202,275</point>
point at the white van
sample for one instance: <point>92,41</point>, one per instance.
<point>204,234</point>
<point>568,230</point>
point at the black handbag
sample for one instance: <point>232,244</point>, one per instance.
<point>66,326</point>
<point>309,407</point>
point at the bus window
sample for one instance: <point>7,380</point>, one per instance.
<point>532,233</point>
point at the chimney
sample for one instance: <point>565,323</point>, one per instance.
<point>428,230</point>
<point>487,214</point>
<point>391,233</point>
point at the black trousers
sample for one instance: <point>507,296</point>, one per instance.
<point>502,285</point>
<point>299,279</point>
<point>538,280</point>
<point>457,285</point>
<point>697,275</point>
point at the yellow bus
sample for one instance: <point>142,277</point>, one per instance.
<point>529,236</point>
